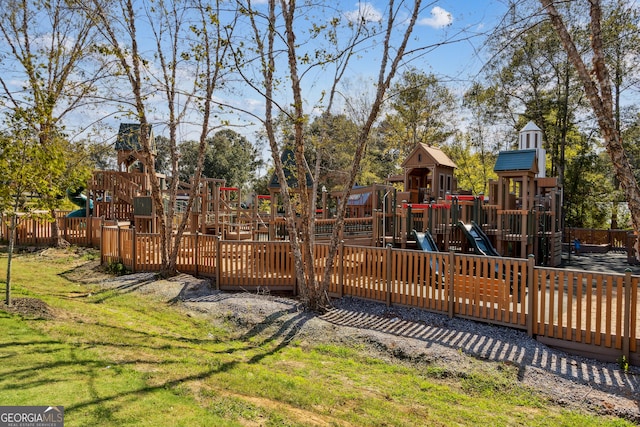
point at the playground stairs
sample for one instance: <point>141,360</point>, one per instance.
<point>115,192</point>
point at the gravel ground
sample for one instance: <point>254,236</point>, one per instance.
<point>408,336</point>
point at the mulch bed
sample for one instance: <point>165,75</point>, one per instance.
<point>29,307</point>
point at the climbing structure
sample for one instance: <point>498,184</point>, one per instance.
<point>125,195</point>
<point>528,204</point>
<point>520,217</point>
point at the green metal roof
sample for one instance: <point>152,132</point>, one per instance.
<point>128,138</point>
<point>517,160</point>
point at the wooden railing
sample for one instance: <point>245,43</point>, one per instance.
<point>513,224</point>
<point>490,217</point>
<point>435,218</point>
<point>353,227</point>
<point>125,185</point>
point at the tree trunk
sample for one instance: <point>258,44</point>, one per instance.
<point>597,87</point>
<point>301,237</point>
<point>12,239</point>
<point>59,241</point>
<point>384,80</point>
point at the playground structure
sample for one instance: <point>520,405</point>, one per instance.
<point>521,216</point>
<point>124,196</point>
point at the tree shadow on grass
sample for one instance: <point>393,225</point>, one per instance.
<point>281,336</point>
<point>478,340</point>
<point>269,337</point>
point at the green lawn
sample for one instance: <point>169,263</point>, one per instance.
<point>115,359</point>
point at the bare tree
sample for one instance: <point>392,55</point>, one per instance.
<point>278,36</point>
<point>208,51</point>
<point>188,41</point>
<point>597,85</point>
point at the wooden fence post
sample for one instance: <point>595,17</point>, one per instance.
<point>94,230</point>
<point>197,252</point>
<point>89,233</point>
<point>374,227</point>
<point>118,244</point>
<point>389,254</point>
<point>452,282</point>
<point>524,230</point>
<point>101,243</point>
<point>218,261</point>
<point>340,268</point>
<point>531,296</point>
<point>134,252</point>
<point>626,328</point>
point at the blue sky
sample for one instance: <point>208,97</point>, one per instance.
<point>450,37</point>
<point>451,34</point>
<point>454,32</point>
<point>448,41</point>
<point>465,23</point>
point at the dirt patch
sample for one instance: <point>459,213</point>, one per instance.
<point>31,308</point>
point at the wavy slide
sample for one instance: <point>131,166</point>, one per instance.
<point>79,199</point>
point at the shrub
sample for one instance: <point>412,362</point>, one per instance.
<point>117,268</point>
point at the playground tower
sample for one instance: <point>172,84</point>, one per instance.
<point>528,202</point>
<point>125,195</point>
<point>531,138</point>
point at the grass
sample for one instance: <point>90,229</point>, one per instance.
<point>113,358</point>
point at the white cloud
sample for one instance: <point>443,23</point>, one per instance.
<point>364,11</point>
<point>439,18</point>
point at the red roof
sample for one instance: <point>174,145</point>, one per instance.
<point>427,205</point>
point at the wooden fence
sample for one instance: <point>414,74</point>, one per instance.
<point>590,313</point>
<point>615,240</point>
<point>37,231</point>
<point>583,312</point>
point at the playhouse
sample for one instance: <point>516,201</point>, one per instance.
<point>428,175</point>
